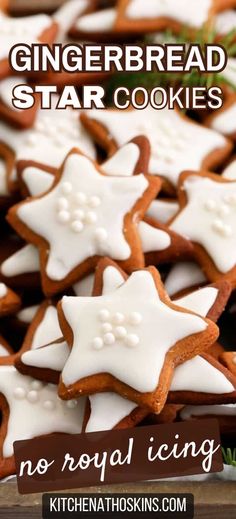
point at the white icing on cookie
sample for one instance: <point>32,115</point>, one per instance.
<point>162,211</point>
<point>24,261</point>
<point>3,290</point>
<point>7,86</point>
<point>100,21</point>
<point>84,287</point>
<point>27,29</point>
<point>66,14</point>
<point>54,131</point>
<point>53,356</point>
<point>211,206</point>
<point>153,239</point>
<point>27,314</point>
<point>112,279</point>
<point>190,411</point>
<point>200,301</point>
<point>107,410</point>
<point>186,12</point>
<point>199,375</point>
<point>4,191</point>
<point>48,329</point>
<point>3,351</point>
<point>225,21</point>
<point>183,275</point>
<point>37,180</point>
<point>229,71</point>
<point>123,162</point>
<point>77,215</point>
<point>35,409</point>
<point>177,144</point>
<point>230,171</point>
<point>121,325</point>
<point>225,122</point>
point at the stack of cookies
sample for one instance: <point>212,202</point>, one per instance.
<point>118,243</point>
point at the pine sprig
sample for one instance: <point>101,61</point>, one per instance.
<point>151,80</point>
<point>229,456</point>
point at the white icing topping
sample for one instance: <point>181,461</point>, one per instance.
<point>202,410</point>
<point>53,356</point>
<point>66,15</point>
<point>54,131</point>
<point>31,414</point>
<point>107,410</point>
<point>183,275</point>
<point>3,351</point>
<point>7,86</point>
<point>27,314</point>
<point>200,301</point>
<point>123,162</point>
<point>177,144</point>
<point>24,261</point>
<point>225,122</point>
<point>84,287</point>
<point>26,29</point>
<point>153,239</point>
<point>3,179</point>
<point>112,279</point>
<point>143,364</point>
<point>162,211</point>
<point>199,375</point>
<point>218,221</point>
<point>3,290</point>
<point>116,197</point>
<point>100,21</point>
<point>186,12</point>
<point>225,21</point>
<point>230,171</point>
<point>37,180</point>
<point>48,329</point>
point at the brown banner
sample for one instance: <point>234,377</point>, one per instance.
<point>60,462</point>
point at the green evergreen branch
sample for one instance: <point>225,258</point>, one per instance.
<point>229,456</point>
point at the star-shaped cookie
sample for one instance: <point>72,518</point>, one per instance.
<point>87,213</point>
<point>207,217</point>
<point>139,322</point>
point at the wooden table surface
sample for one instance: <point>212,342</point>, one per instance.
<point>213,499</point>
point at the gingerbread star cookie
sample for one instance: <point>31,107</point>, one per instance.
<point>87,213</point>
<point>223,121</point>
<point>54,131</point>
<point>184,277</point>
<point>163,210</point>
<point>44,327</point>
<point>27,30</point>
<point>31,409</point>
<point>126,323</point>
<point>177,143</point>
<point>225,414</point>
<point>207,219</point>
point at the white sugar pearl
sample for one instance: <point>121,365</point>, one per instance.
<point>135,318</point>
<point>101,234</point>
<point>120,332</point>
<point>79,214</point>
<point>210,205</point>
<point>19,392</point>
<point>77,226</point>
<point>218,225</point>
<point>118,318</point>
<point>97,343</point>
<point>49,404</point>
<point>66,187</point>
<point>94,201</point>
<point>63,216</point>
<point>131,340</point>
<point>90,217</point>
<point>104,315</point>
<point>80,197</point>
<point>223,210</point>
<point>36,384</point>
<point>62,203</point>
<point>71,404</point>
<point>106,327</point>
<point>32,396</point>
<point>109,338</point>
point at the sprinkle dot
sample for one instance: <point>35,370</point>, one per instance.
<point>104,315</point>
<point>19,392</point>
<point>97,343</point>
<point>32,396</point>
<point>71,404</point>
<point>90,217</point>
<point>36,384</point>
<point>62,203</point>
<point>49,404</point>
<point>63,216</point>
<point>106,327</point>
<point>77,226</point>
<point>109,338</point>
<point>131,340</point>
<point>120,332</point>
